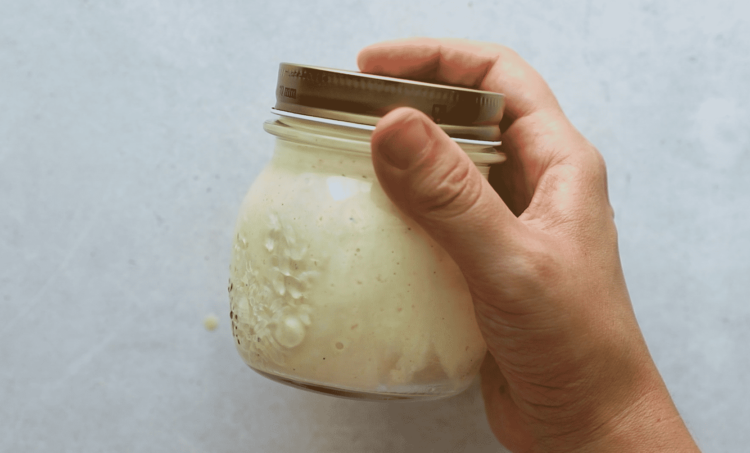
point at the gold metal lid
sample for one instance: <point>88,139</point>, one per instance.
<point>355,97</point>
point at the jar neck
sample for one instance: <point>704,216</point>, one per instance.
<point>353,140</point>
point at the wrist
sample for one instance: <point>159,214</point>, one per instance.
<point>628,408</point>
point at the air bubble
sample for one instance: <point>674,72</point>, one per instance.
<point>290,332</point>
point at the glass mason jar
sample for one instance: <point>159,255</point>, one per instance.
<point>331,287</point>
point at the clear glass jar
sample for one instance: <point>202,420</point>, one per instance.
<point>333,289</point>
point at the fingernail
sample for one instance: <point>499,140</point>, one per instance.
<point>405,143</point>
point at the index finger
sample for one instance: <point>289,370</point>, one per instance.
<point>544,149</point>
<point>484,66</point>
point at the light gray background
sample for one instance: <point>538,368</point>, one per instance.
<point>130,130</point>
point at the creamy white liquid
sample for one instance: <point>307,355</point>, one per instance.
<point>330,284</point>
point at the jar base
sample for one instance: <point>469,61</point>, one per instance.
<point>354,394</point>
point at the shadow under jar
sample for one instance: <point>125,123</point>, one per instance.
<point>331,287</point>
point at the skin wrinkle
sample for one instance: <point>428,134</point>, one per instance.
<point>438,199</point>
<point>641,405</point>
<point>531,363</point>
<point>454,180</point>
<point>482,305</point>
<point>509,332</point>
<point>571,427</point>
<point>527,379</point>
<point>512,350</point>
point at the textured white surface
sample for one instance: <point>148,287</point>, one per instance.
<point>129,132</point>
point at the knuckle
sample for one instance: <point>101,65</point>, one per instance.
<point>505,50</point>
<point>598,165</point>
<point>540,265</point>
<point>536,269</point>
<point>591,161</point>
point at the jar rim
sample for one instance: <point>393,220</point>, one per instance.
<point>333,136</point>
<point>370,128</point>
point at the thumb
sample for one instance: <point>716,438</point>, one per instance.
<point>432,180</point>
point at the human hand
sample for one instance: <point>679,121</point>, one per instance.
<point>567,367</point>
